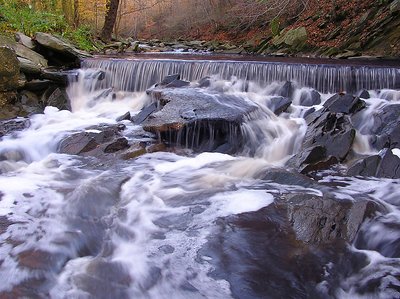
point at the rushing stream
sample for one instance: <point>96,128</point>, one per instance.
<point>182,224</point>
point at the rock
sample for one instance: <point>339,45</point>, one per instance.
<point>364,94</point>
<point>24,40</point>
<point>384,165</point>
<point>28,67</point>
<point>95,141</point>
<point>385,128</point>
<point>8,97</point>
<point>214,118</point>
<point>317,219</point>
<point>347,54</point>
<point>58,98</point>
<point>279,104</point>
<point>30,102</point>
<point>310,98</point>
<point>60,77</point>
<point>172,81</point>
<point>395,6</point>
<point>9,69</point>
<point>7,108</point>
<point>37,85</point>
<point>126,116</point>
<point>328,141</point>
<point>144,113</point>
<point>27,53</point>
<point>9,126</point>
<point>286,90</point>
<point>204,82</point>
<point>344,103</point>
<point>58,50</point>
<point>293,38</point>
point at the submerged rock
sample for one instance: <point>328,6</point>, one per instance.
<point>196,119</point>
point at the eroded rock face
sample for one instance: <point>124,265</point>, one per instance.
<point>196,119</point>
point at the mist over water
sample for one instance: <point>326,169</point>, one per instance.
<point>184,224</point>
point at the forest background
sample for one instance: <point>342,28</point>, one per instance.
<point>328,23</point>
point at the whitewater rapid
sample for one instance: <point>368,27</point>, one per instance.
<point>78,227</point>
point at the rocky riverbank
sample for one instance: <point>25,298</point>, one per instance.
<point>34,73</point>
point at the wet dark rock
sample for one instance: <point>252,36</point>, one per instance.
<point>95,141</point>
<point>59,77</point>
<point>320,165</point>
<point>12,125</point>
<point>204,82</point>
<point>384,165</point>
<point>386,127</point>
<point>126,116</point>
<point>317,219</point>
<point>364,94</point>
<point>172,81</point>
<point>144,114</point>
<point>197,120</point>
<point>328,140</point>
<point>279,104</point>
<point>344,103</point>
<point>310,98</point>
<point>286,90</point>
<point>284,177</point>
<point>37,85</point>
<point>30,102</point>
<point>58,98</point>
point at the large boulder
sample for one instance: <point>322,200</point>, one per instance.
<point>293,38</point>
<point>196,119</point>
<point>344,103</point>
<point>324,219</point>
<point>9,69</point>
<point>328,140</point>
<point>58,50</point>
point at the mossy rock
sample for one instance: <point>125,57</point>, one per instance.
<point>292,38</point>
<point>9,69</point>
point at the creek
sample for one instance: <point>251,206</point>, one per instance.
<point>184,223</point>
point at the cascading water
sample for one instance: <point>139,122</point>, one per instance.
<point>137,75</point>
<point>184,224</point>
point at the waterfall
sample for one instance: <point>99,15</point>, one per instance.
<point>138,75</point>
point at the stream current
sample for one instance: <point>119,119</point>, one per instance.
<point>179,224</point>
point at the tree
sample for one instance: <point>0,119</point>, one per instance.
<point>109,22</point>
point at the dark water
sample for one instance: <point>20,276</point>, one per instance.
<point>192,225</point>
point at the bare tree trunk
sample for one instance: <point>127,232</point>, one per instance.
<point>109,22</point>
<point>76,13</point>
